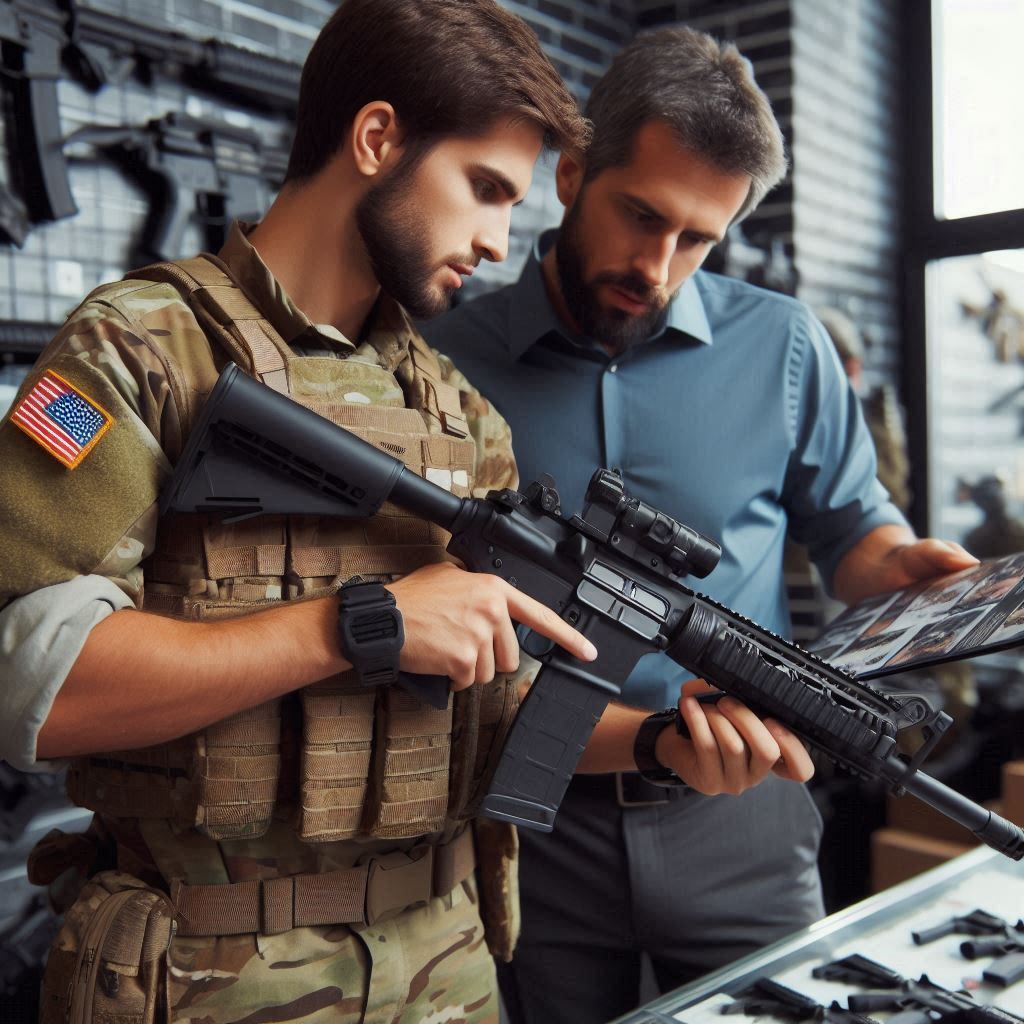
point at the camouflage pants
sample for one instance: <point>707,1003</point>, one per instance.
<point>426,966</point>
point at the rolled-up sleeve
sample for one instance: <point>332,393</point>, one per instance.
<point>41,635</point>
<point>833,496</point>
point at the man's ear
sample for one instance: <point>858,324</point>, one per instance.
<point>568,179</point>
<point>375,137</point>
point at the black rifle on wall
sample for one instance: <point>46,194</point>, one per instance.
<point>32,40</point>
<point>614,572</point>
<point>189,166</point>
<point>40,40</point>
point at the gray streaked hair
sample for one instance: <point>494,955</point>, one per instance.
<point>704,90</point>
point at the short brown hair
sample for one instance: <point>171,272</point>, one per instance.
<point>705,91</point>
<point>448,67</point>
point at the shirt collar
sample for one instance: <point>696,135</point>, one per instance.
<point>266,292</point>
<point>531,315</point>
<point>387,331</point>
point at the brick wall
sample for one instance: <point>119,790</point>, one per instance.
<point>831,71</point>
<point>847,167</point>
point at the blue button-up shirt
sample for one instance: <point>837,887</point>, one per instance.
<point>734,417</point>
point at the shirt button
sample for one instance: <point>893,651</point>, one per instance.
<point>613,368</point>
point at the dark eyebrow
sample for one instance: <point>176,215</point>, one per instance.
<point>650,211</point>
<point>501,180</point>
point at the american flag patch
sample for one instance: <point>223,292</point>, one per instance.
<point>56,415</point>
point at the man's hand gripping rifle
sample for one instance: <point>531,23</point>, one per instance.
<point>612,572</point>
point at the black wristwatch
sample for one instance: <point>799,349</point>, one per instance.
<point>370,631</point>
<point>647,764</point>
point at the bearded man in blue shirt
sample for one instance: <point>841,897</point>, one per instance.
<point>725,406</point>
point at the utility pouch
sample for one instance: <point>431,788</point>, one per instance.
<point>497,877</point>
<point>411,766</point>
<point>238,763</point>
<point>337,743</point>
<point>498,704</point>
<point>109,960</point>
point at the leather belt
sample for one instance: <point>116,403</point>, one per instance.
<point>626,789</point>
<point>381,888</point>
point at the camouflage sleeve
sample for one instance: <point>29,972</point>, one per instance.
<point>100,516</point>
<point>74,538</point>
<point>495,463</point>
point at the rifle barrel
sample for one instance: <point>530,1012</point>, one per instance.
<point>990,828</point>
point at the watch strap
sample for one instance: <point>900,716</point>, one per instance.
<point>647,763</point>
<point>370,631</point>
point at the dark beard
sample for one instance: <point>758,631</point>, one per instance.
<point>395,238</point>
<point>614,328</point>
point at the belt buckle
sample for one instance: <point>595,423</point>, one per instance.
<point>623,801</point>
<point>397,881</point>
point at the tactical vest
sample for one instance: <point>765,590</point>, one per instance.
<point>333,760</point>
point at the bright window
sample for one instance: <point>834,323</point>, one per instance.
<point>978,59</point>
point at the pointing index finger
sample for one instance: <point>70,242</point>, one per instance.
<point>543,620</point>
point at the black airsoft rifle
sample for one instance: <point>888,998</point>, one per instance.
<point>767,998</point>
<point>977,922</point>
<point>612,572</point>
<point>1008,949</point>
<point>31,43</point>
<point>190,165</point>
<point>41,39</point>
<point>914,1002</point>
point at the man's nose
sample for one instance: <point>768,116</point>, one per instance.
<point>491,242</point>
<point>654,261</point>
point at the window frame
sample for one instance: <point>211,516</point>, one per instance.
<point>928,238</point>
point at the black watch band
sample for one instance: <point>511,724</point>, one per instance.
<point>647,764</point>
<point>370,631</point>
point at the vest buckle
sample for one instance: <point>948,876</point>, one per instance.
<point>398,881</point>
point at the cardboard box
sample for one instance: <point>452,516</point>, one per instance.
<point>1013,792</point>
<point>897,855</point>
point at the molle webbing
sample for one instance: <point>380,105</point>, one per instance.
<point>155,782</point>
<point>226,315</point>
<point>239,762</point>
<point>439,398</point>
<point>381,888</point>
<point>413,754</point>
<point>337,743</point>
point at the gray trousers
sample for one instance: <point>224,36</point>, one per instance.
<point>695,883</point>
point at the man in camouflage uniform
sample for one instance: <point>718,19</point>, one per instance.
<point>305,835</point>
